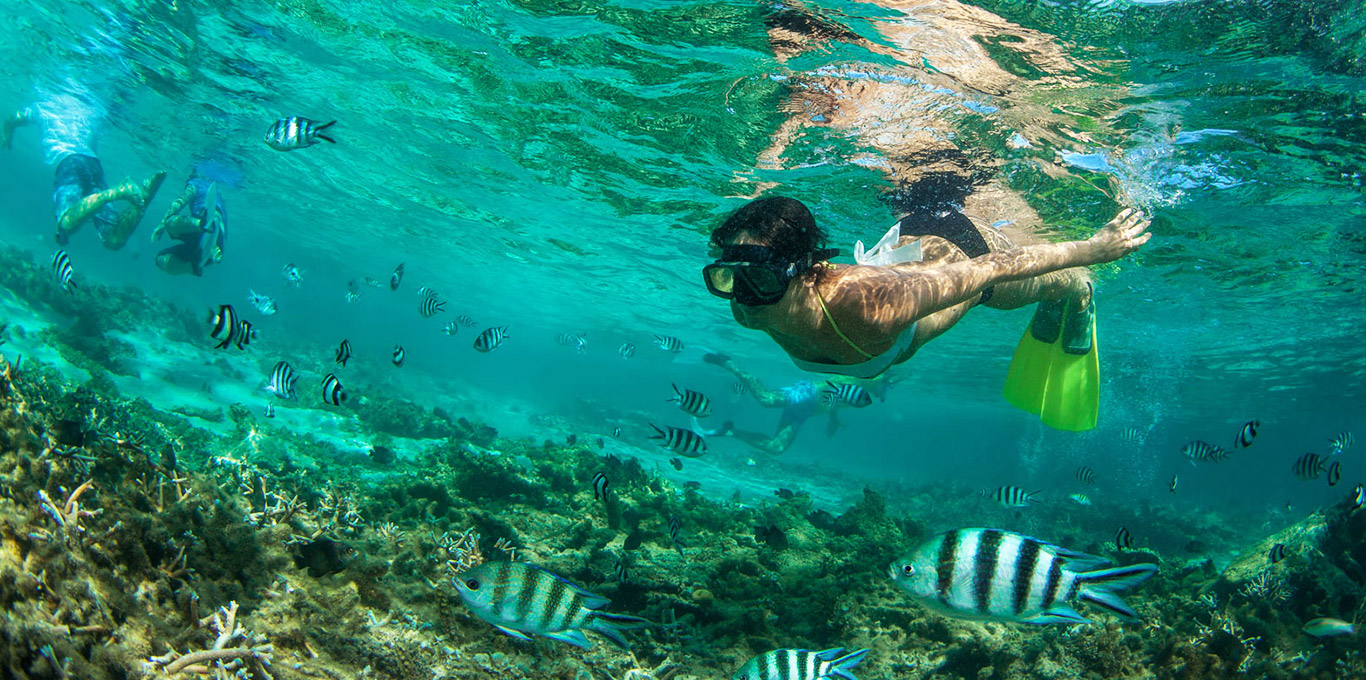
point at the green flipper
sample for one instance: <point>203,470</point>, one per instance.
<point>1055,373</point>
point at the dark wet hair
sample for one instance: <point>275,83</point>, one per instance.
<point>781,223</point>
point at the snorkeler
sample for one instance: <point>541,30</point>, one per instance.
<point>198,219</point>
<point>80,195</point>
<point>799,402</point>
<point>860,320</point>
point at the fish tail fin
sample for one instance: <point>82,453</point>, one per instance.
<point>658,436</point>
<point>1098,587</point>
<point>611,625</point>
<point>317,132</point>
<point>843,666</point>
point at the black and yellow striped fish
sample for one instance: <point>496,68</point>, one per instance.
<point>524,600</point>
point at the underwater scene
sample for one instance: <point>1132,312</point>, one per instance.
<point>681,340</point>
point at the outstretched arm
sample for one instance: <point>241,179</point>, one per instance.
<point>899,298</point>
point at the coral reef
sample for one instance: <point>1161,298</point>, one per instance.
<point>121,525</point>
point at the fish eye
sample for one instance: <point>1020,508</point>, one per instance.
<point>472,584</point>
<point>908,569</point>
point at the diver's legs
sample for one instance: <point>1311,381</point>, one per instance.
<point>775,445</point>
<point>139,196</point>
<point>765,397</point>
<point>14,122</point>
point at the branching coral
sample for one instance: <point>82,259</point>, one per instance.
<point>69,514</point>
<point>236,652</point>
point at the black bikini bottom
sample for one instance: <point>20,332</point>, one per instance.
<point>951,226</point>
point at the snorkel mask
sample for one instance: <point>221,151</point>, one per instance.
<point>754,275</point>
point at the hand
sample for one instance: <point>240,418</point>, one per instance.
<point>1120,236</point>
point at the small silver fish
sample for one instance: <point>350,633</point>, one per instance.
<point>293,275</point>
<point>264,304</point>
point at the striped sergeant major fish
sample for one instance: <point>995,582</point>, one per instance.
<point>691,402</point>
<point>1131,434</point>
<point>848,393</point>
<point>270,410</point>
<point>524,600</point>
<point>1309,466</point>
<point>1340,443</point>
<point>600,486</point>
<point>1334,473</point>
<point>675,527</point>
<point>1080,499</point>
<point>1171,486</point>
<point>669,343</point>
<point>398,356</point>
<point>1203,452</point>
<point>282,379</point>
<point>430,306</point>
<point>1358,496</point>
<point>396,277</point>
<point>465,321</point>
<point>575,340</point>
<point>352,291</point>
<point>1246,434</point>
<point>1004,576</point>
<point>1086,475</point>
<point>491,339</point>
<point>332,391</point>
<point>801,664</point>
<point>627,350</point>
<point>297,132</point>
<point>343,352</point>
<point>62,270</point>
<point>620,572</point>
<point>681,441</point>
<point>426,292</point>
<point>451,328</point>
<point>1014,496</point>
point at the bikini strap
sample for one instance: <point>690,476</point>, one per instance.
<point>819,298</point>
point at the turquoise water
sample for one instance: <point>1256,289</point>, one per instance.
<point>556,167</point>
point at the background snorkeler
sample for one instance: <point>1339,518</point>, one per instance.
<point>799,402</point>
<point>199,220</point>
<point>80,194</point>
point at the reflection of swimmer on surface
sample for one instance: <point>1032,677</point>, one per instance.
<point>799,402</point>
<point>198,219</point>
<point>80,194</point>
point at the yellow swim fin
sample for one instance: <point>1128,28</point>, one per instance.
<point>1055,373</point>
